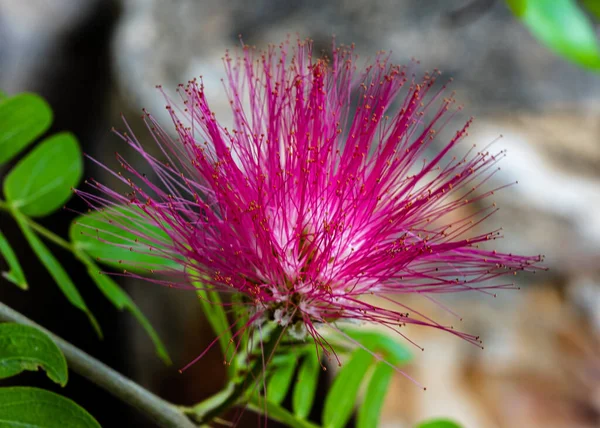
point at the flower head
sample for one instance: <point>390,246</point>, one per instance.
<point>322,193</point>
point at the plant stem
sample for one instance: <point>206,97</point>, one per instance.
<point>50,236</point>
<point>236,390</point>
<point>158,410</point>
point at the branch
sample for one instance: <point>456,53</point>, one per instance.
<point>158,410</point>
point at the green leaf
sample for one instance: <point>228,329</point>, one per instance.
<point>339,403</point>
<point>42,181</point>
<point>517,7</point>
<point>378,342</point>
<point>241,314</point>
<point>15,273</point>
<point>281,379</point>
<point>370,410</point>
<point>212,307</point>
<point>36,408</point>
<point>306,385</point>
<point>564,28</point>
<point>593,6</point>
<point>23,118</point>
<point>26,348</point>
<point>118,297</point>
<point>115,237</point>
<point>54,268</point>
<point>438,423</point>
<point>277,413</point>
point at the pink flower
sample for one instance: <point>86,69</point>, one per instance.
<point>321,194</point>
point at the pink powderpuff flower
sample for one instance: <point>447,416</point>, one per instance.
<point>319,195</point>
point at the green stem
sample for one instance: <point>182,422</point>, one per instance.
<point>41,230</point>
<point>158,410</point>
<point>52,237</point>
<point>236,390</point>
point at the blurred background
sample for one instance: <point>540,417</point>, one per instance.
<point>95,59</point>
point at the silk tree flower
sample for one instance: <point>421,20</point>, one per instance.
<point>319,195</point>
